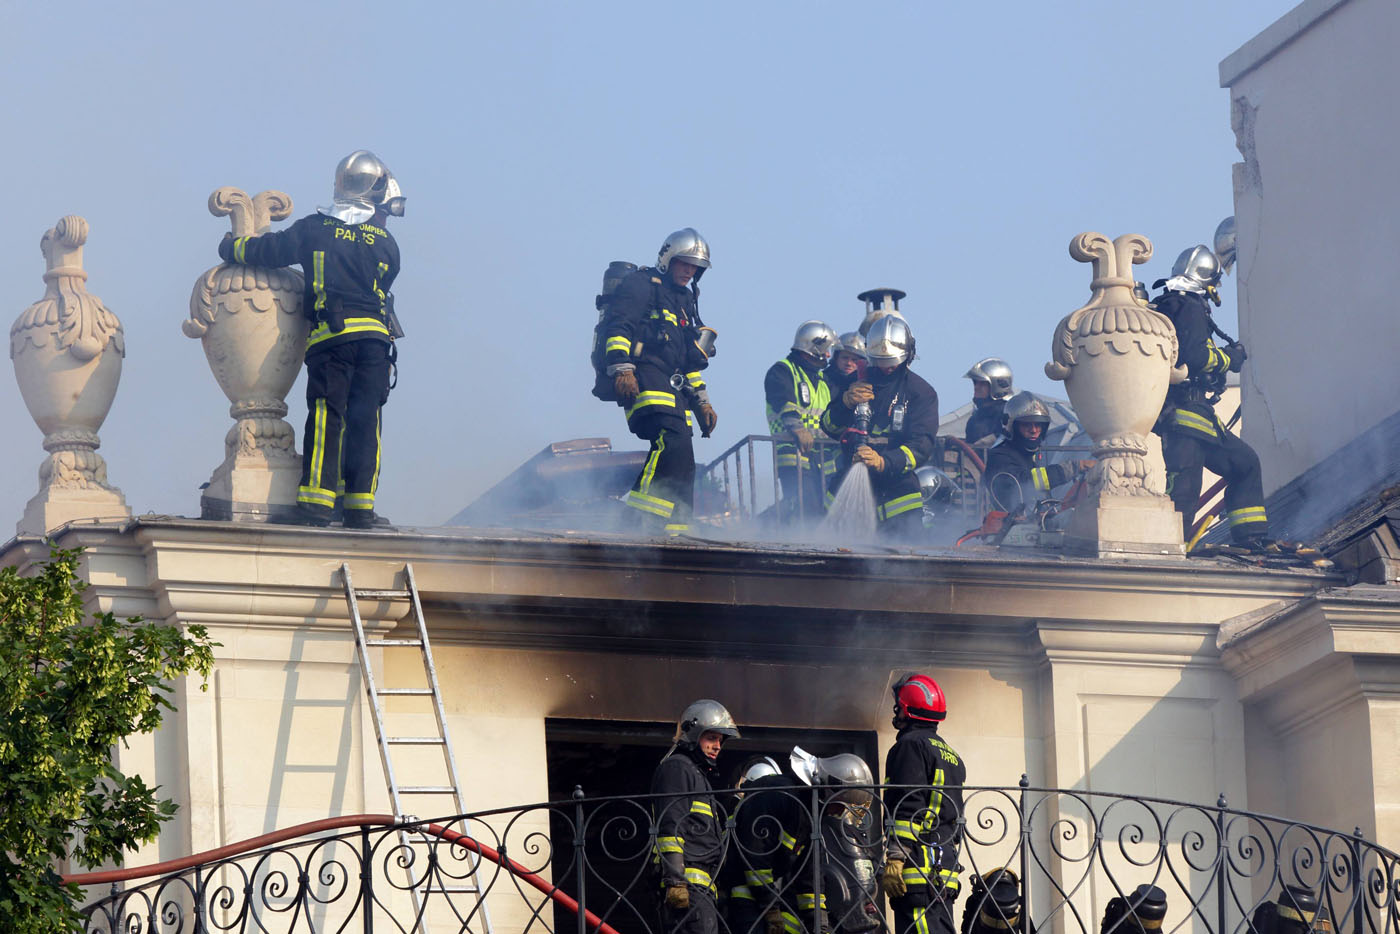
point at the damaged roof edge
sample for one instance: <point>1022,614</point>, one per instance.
<point>1274,38</point>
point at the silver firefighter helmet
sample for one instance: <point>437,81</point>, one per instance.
<point>835,771</point>
<point>1225,243</point>
<point>889,342</point>
<point>851,342</point>
<point>686,244</point>
<point>1023,407</point>
<point>935,485</point>
<point>703,716</point>
<point>1197,269</point>
<point>754,769</point>
<point>815,338</point>
<point>362,184</point>
<point>994,371</point>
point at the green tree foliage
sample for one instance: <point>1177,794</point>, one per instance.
<point>70,690</point>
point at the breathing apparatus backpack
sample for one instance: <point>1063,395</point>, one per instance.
<point>612,278</point>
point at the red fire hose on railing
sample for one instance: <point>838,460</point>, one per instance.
<point>969,450</point>
<point>337,823</point>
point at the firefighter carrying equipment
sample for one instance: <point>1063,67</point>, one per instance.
<point>856,394</point>
<point>603,383</point>
<point>867,456</point>
<point>924,828</point>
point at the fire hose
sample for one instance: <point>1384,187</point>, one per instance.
<point>595,924</point>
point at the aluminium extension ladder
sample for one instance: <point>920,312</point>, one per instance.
<point>442,740</point>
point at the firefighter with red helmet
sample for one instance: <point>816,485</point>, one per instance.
<point>923,805</point>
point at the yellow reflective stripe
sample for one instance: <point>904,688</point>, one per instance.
<point>316,496</point>
<point>808,901</point>
<point>359,501</point>
<point>912,460</point>
<point>240,249</point>
<point>670,844</point>
<point>618,343</point>
<point>1040,476</point>
<point>652,397</point>
<point>758,876</point>
<point>935,798</point>
<point>670,318</point>
<point>905,828</point>
<point>318,444</point>
<point>701,807</point>
<point>695,379</point>
<point>677,528</point>
<point>1247,514</point>
<point>318,278</point>
<point>649,471</point>
<point>383,268</point>
<point>921,921</point>
<point>791,925</point>
<point>323,332</point>
<point>900,505</point>
<point>378,450</point>
<point>651,504</point>
<point>700,877</point>
<point>741,891</point>
<point>787,841</point>
<point>1188,419</point>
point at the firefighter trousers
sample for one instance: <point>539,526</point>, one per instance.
<point>919,912</point>
<point>664,492</point>
<point>809,487</point>
<point>899,507</point>
<point>346,386</point>
<point>1185,453</point>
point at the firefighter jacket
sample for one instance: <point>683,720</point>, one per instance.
<point>762,861</point>
<point>688,821</point>
<point>1187,408</point>
<point>984,420</point>
<point>924,822</point>
<point>795,388</point>
<point>1019,478</point>
<point>905,412</point>
<point>348,270</point>
<point>652,324</point>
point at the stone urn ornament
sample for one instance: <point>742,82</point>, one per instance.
<point>1116,357</point>
<point>67,350</point>
<point>250,321</point>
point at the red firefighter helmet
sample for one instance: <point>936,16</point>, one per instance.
<point>918,697</point>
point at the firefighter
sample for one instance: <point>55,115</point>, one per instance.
<point>1140,912</point>
<point>349,261</point>
<point>1192,437</point>
<point>771,829</point>
<point>1017,476</point>
<point>847,362</point>
<point>656,347</point>
<point>850,847</point>
<point>689,846</point>
<point>796,393</point>
<point>904,411</point>
<point>991,387</point>
<point>923,834</point>
<point>993,903</point>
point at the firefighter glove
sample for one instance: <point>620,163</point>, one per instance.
<point>892,879</point>
<point>773,920</point>
<point>708,419</point>
<point>857,393</point>
<point>1237,355</point>
<point>677,896</point>
<point>805,439</point>
<point>226,248</point>
<point>625,385</point>
<point>867,456</point>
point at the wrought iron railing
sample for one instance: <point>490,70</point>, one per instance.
<point>586,866</point>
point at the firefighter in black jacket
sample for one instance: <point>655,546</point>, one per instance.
<point>656,348</point>
<point>1192,436</point>
<point>904,411</point>
<point>349,262</point>
<point>796,394</point>
<point>771,831</point>
<point>924,829</point>
<point>689,846</point>
<point>847,362</point>
<point>1017,476</point>
<point>991,387</point>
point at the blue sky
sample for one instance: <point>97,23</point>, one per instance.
<point>950,150</point>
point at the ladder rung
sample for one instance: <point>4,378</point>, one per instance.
<point>382,594</point>
<point>371,643</point>
<point>427,790</point>
<point>410,692</point>
<point>415,741</point>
